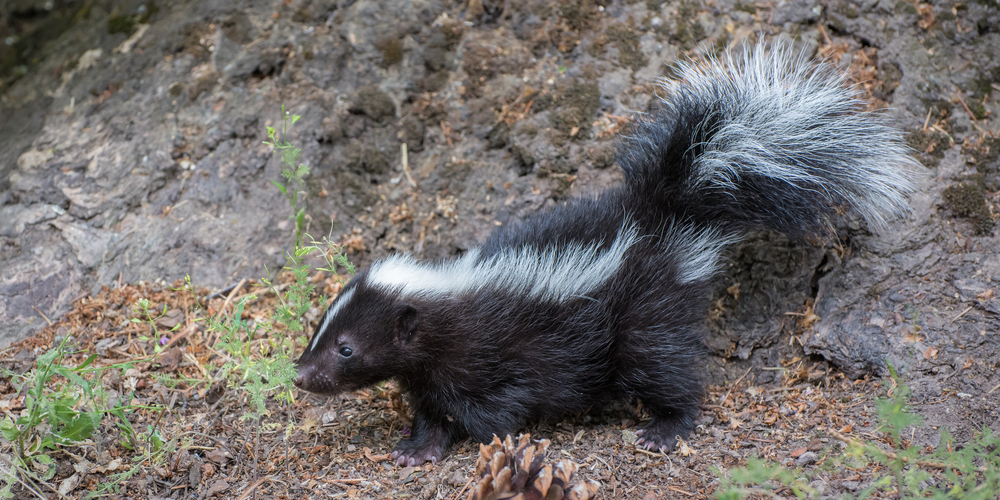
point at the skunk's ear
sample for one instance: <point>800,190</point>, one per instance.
<point>407,320</point>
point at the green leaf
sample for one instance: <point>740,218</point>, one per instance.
<point>47,462</point>
<point>280,186</point>
<point>90,359</point>
<point>270,131</point>
<point>62,410</point>
<point>74,377</point>
<point>78,429</point>
<point>9,430</point>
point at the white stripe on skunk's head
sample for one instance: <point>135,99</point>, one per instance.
<point>363,339</point>
<point>554,274</point>
<point>338,304</point>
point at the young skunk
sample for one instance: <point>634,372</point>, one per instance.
<point>605,297</point>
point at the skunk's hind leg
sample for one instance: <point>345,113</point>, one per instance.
<point>662,432</point>
<point>666,378</point>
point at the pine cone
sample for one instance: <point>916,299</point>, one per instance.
<point>519,472</point>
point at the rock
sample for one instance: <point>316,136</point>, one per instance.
<point>796,11</point>
<point>807,458</point>
<point>14,218</point>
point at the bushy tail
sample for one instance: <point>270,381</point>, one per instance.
<point>767,138</point>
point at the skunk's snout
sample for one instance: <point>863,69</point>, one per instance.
<point>302,372</point>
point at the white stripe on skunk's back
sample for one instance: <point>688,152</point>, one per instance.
<point>555,275</point>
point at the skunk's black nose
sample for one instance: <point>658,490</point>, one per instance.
<point>299,380</point>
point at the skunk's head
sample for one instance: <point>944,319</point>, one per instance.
<point>361,340</point>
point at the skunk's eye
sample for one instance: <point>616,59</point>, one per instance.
<point>346,352</point>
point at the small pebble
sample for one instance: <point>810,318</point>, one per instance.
<point>807,458</point>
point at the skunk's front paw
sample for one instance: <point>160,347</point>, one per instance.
<point>410,453</point>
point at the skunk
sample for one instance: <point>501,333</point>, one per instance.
<point>605,297</point>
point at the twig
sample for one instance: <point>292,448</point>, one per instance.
<point>14,472</point>
<point>678,490</point>
<point>232,293</point>
<point>254,486</point>
<point>939,129</point>
<point>647,452</point>
<point>349,480</point>
<point>220,293</point>
<point>822,30</point>
<point>960,314</point>
<point>928,119</point>
<point>47,320</point>
<point>406,165</point>
<point>467,484</point>
<point>972,116</point>
<point>734,385</point>
<point>179,336</point>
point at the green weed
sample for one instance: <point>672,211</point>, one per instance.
<point>261,365</point>
<point>969,471</point>
<point>142,308</point>
<point>63,407</point>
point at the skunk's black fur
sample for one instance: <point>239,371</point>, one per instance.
<point>604,297</point>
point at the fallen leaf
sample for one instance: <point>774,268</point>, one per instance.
<point>171,319</point>
<point>847,429</point>
<point>217,487</point>
<point>405,473</point>
<point>685,450</point>
<point>796,453</point>
<point>930,352</point>
<point>69,484</point>
<point>170,359</point>
<point>218,456</point>
<point>311,419</point>
<point>374,458</point>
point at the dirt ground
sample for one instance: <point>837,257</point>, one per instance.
<point>339,447</point>
<point>131,156</point>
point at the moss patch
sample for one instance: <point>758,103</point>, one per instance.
<point>929,144</point>
<point>689,31</point>
<point>121,24</point>
<point>374,103</point>
<point>575,108</point>
<point>626,41</point>
<point>580,15</point>
<point>968,199</point>
<point>391,49</point>
<point>363,158</point>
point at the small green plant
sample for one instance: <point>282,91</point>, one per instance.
<point>292,175</point>
<point>755,478</point>
<point>969,471</point>
<point>63,406</point>
<point>142,307</point>
<point>261,373</point>
<point>260,360</point>
<point>151,448</point>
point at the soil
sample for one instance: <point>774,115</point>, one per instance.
<point>131,155</point>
